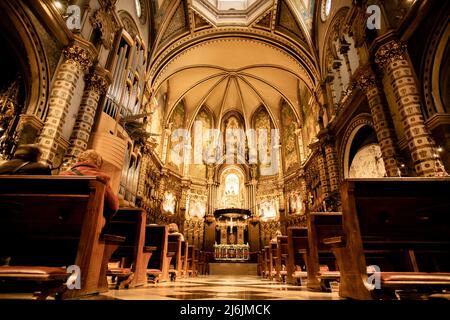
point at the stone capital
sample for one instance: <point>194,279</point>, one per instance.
<point>365,78</point>
<point>390,52</point>
<point>80,54</point>
<point>99,80</point>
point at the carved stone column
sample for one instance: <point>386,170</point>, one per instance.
<point>392,58</point>
<point>328,144</point>
<point>77,59</point>
<point>96,85</point>
<point>367,81</point>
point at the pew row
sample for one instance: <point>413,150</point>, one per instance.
<point>399,225</point>
<point>48,224</point>
<point>156,236</point>
<point>133,254</point>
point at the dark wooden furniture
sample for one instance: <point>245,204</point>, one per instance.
<point>133,254</point>
<point>184,258</point>
<point>321,264</point>
<point>297,259</point>
<point>402,225</point>
<point>53,222</point>
<point>174,256</point>
<point>282,257</point>
<point>157,236</point>
<point>266,262</point>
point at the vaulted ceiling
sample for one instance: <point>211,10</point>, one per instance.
<point>236,65</point>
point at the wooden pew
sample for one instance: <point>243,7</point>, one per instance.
<point>273,260</point>
<point>133,254</point>
<point>297,245</point>
<point>321,227</point>
<point>266,265</point>
<point>52,222</point>
<point>282,256</point>
<point>157,236</point>
<point>400,224</point>
<point>190,261</point>
<point>184,258</point>
<point>174,253</point>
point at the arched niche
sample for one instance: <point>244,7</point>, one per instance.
<point>363,157</point>
<point>23,62</point>
<point>232,191</point>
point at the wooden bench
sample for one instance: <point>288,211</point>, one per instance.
<point>174,254</point>
<point>401,225</point>
<point>322,227</point>
<point>266,262</point>
<point>184,258</point>
<point>297,259</point>
<point>47,223</point>
<point>156,236</point>
<point>133,254</point>
<point>282,257</point>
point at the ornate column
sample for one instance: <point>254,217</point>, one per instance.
<point>392,58</point>
<point>328,143</point>
<point>367,81</point>
<point>77,59</point>
<point>96,85</point>
<point>321,164</point>
<point>210,185</point>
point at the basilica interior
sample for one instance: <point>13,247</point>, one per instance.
<point>287,143</point>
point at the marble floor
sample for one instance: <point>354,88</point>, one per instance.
<point>220,288</point>
<point>209,288</point>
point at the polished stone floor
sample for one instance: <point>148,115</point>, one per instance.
<point>209,288</point>
<point>220,288</point>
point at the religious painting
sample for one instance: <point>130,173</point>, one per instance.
<point>169,203</point>
<point>263,126</point>
<point>197,208</point>
<point>200,134</point>
<point>296,203</point>
<point>368,163</point>
<point>177,140</point>
<point>267,210</point>
<point>289,138</point>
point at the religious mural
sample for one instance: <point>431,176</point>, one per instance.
<point>268,209</point>
<point>203,122</point>
<point>169,203</point>
<point>177,141</point>
<point>263,126</point>
<point>289,139</point>
<point>368,163</point>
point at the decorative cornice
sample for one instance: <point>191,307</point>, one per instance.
<point>390,52</point>
<point>105,20</point>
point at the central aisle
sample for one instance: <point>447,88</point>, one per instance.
<point>219,288</point>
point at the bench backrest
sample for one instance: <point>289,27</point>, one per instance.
<point>127,222</point>
<point>157,236</point>
<point>44,219</point>
<point>407,210</point>
<point>398,214</point>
